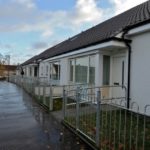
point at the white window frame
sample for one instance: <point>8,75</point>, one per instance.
<point>88,71</point>
<point>51,70</point>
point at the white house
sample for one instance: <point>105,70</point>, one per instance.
<point>114,52</point>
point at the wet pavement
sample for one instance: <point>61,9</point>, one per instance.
<point>24,125</point>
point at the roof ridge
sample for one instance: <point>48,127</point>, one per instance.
<point>101,32</point>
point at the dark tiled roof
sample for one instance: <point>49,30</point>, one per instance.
<point>31,60</point>
<point>101,32</point>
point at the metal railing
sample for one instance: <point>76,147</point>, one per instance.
<point>101,116</point>
<point>44,91</point>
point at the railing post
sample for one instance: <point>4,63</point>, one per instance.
<point>39,91</point>
<point>31,86</point>
<point>34,86</point>
<point>77,107</point>
<point>51,98</point>
<point>44,94</point>
<point>98,118</point>
<point>144,130</point>
<point>64,103</point>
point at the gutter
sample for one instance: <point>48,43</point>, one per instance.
<point>127,43</point>
<point>88,45</point>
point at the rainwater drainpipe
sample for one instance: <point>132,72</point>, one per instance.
<point>127,43</point>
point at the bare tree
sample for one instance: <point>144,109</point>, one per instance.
<point>4,60</point>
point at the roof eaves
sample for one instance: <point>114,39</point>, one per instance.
<point>137,25</point>
<point>93,44</point>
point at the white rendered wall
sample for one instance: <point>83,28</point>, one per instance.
<point>27,68</point>
<point>42,69</point>
<point>120,53</point>
<point>140,70</point>
<point>47,71</point>
<point>99,70</point>
<point>64,72</point>
<point>43,73</point>
<point>32,71</point>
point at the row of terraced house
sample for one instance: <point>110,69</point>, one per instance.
<point>115,52</point>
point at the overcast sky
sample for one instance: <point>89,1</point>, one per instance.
<point>27,27</point>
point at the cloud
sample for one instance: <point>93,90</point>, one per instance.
<point>87,11</point>
<point>47,34</point>
<point>7,46</point>
<point>123,5</point>
<point>39,45</point>
<point>25,16</point>
<point>27,3</point>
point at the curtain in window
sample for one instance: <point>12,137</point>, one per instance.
<point>55,71</point>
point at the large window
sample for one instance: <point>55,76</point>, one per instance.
<point>72,69</point>
<point>42,70</point>
<point>92,69</point>
<point>46,70</point>
<point>106,70</point>
<point>30,71</point>
<point>82,70</point>
<point>55,71</point>
<point>35,71</point>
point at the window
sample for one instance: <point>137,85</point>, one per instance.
<point>55,71</point>
<point>72,68</point>
<point>41,70</point>
<point>106,70</point>
<point>35,71</point>
<point>50,71</point>
<point>92,70</point>
<point>46,70</point>
<point>82,70</point>
<point>30,71</point>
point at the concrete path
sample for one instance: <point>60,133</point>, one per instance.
<point>26,126</point>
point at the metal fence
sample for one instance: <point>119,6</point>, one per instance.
<point>47,93</point>
<point>100,116</point>
<point>40,89</point>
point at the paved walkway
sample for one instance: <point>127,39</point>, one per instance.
<point>25,126</point>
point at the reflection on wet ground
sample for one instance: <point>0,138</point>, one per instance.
<point>24,125</point>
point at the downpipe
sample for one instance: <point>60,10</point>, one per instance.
<point>127,43</point>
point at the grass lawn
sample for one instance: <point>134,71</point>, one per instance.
<point>57,102</point>
<point>119,129</point>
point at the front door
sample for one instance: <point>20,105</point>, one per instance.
<point>118,75</point>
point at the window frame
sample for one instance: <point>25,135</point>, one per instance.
<point>51,70</point>
<point>74,69</point>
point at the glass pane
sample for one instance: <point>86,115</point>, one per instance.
<point>81,70</point>
<point>35,71</point>
<point>72,65</point>
<point>106,70</point>
<point>46,69</point>
<point>92,70</point>
<point>50,71</point>
<point>55,71</point>
<point>30,71</point>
